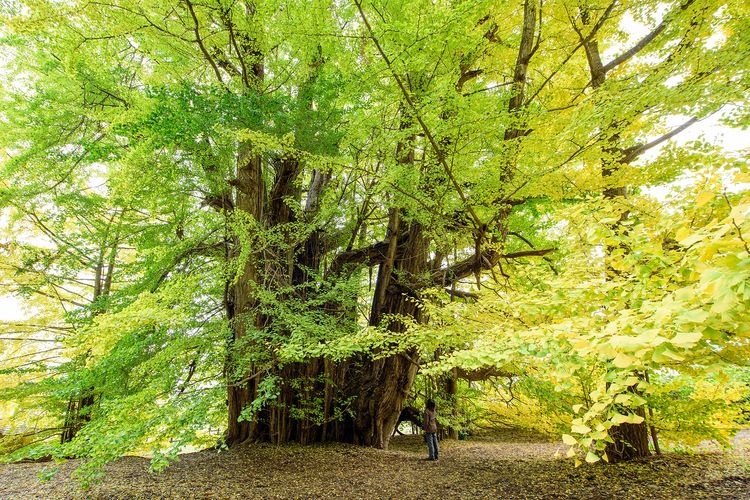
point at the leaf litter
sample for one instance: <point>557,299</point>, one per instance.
<point>515,466</point>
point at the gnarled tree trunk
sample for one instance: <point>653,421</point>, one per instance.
<point>384,383</point>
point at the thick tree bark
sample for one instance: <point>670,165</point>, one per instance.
<point>384,383</point>
<point>630,441</point>
<point>451,391</point>
<point>242,384</point>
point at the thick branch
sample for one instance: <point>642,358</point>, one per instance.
<point>525,51</point>
<point>370,256</point>
<point>485,261</point>
<point>643,42</point>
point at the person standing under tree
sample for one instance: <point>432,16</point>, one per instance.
<point>429,426</point>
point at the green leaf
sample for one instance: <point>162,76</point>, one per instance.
<point>592,457</point>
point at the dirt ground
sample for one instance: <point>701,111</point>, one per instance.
<point>514,467</point>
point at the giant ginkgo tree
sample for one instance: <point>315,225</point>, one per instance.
<point>283,188</point>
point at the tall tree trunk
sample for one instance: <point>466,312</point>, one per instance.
<point>451,392</point>
<point>630,441</point>
<point>385,383</point>
<point>242,383</point>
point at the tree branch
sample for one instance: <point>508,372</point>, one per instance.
<point>633,152</point>
<point>371,255</point>
<point>439,153</point>
<point>484,261</point>
<point>643,42</point>
<point>200,42</point>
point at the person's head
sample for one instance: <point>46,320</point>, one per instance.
<point>430,404</point>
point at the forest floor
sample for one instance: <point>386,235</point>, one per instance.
<point>512,466</point>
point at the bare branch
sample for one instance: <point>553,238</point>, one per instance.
<point>201,44</point>
<point>370,256</point>
<point>633,152</point>
<point>736,226</point>
<point>484,261</point>
<point>643,42</point>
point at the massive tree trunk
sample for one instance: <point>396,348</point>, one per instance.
<point>356,400</point>
<point>630,441</point>
<point>384,383</point>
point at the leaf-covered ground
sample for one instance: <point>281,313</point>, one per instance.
<point>515,467</point>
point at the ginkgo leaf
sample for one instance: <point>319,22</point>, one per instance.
<point>686,339</point>
<point>634,419</point>
<point>618,418</point>
<point>581,428</point>
<point>622,360</point>
<point>704,197</point>
<point>592,457</point>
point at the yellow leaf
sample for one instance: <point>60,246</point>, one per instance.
<point>599,435</point>
<point>708,252</point>
<point>618,419</point>
<point>592,457</point>
<point>704,198</point>
<point>634,419</point>
<point>626,342</point>
<point>623,399</point>
<point>581,429</point>
<point>691,239</point>
<point>687,339</point>
<point>683,233</point>
<point>622,360</point>
<point>664,355</point>
<point>569,440</point>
